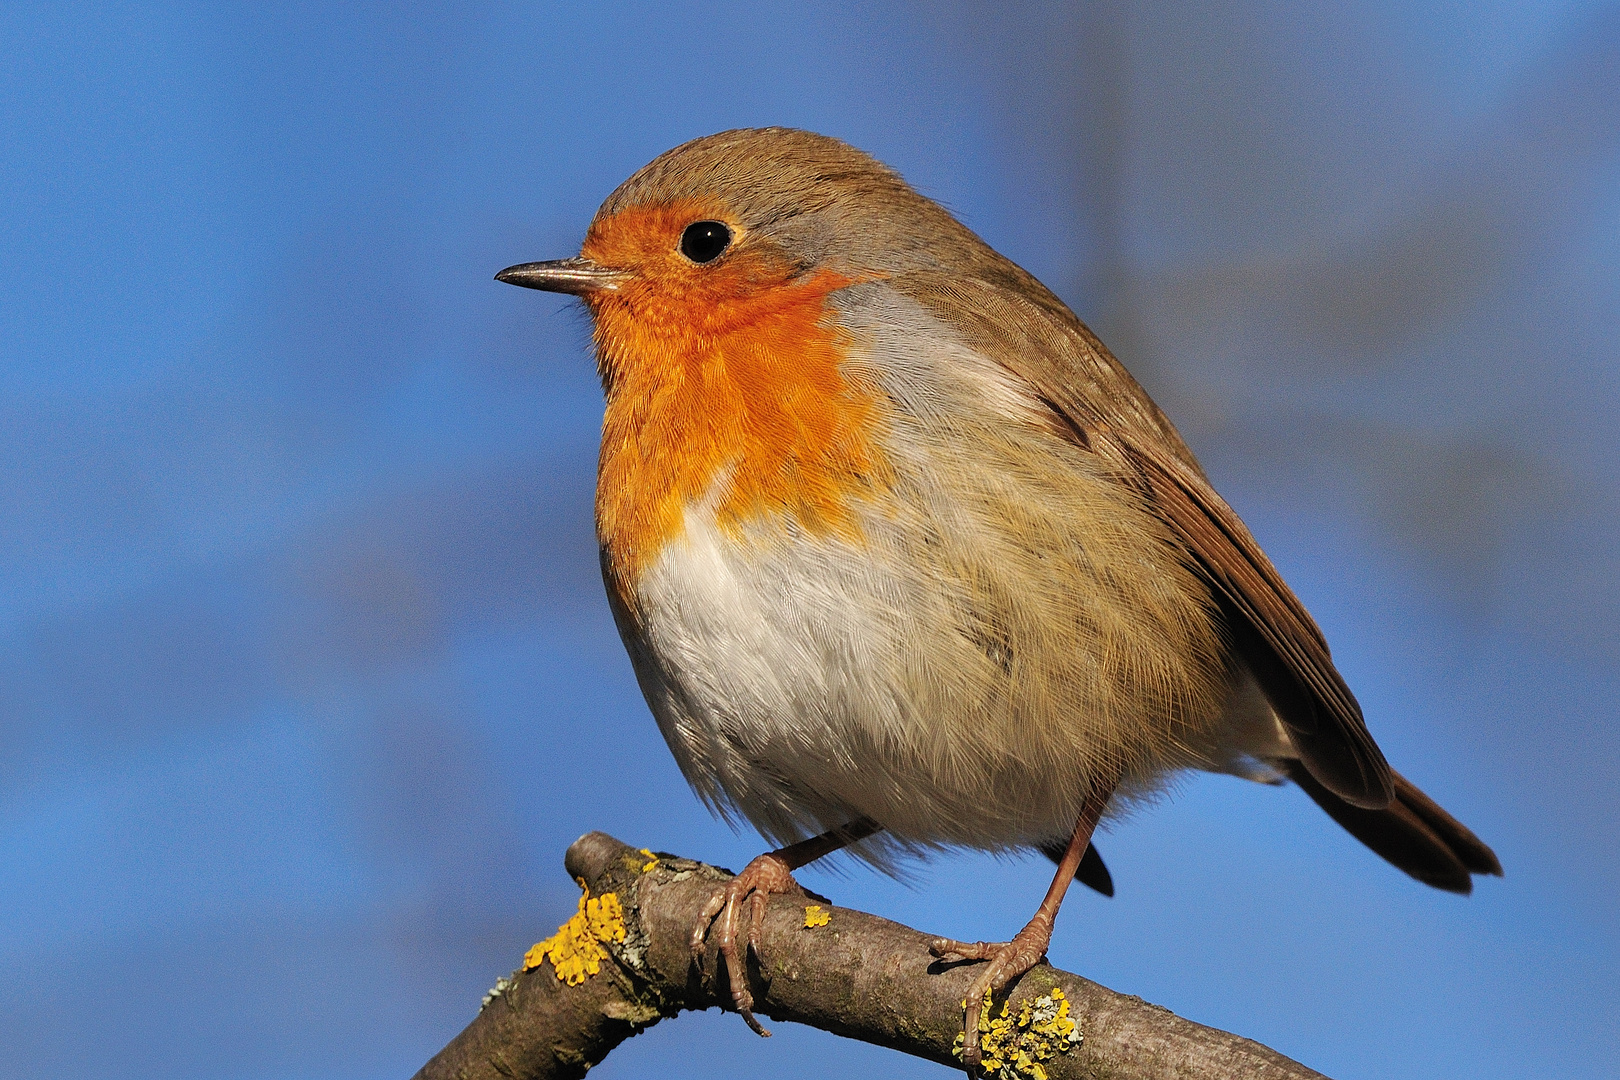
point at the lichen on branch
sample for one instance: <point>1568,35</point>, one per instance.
<point>623,962</point>
<point>576,950</point>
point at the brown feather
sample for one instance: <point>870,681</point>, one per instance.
<point>1092,872</point>
<point>1413,833</point>
<point>1272,632</point>
<point>1042,342</point>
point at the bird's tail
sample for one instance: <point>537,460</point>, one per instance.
<point>1093,872</point>
<point>1412,832</point>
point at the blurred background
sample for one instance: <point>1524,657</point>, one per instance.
<point>306,674</point>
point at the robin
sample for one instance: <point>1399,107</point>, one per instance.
<point>905,559</point>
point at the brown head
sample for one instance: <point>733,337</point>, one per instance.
<point>788,202</point>
<point>707,274</point>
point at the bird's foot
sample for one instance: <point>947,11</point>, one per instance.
<point>1007,961</point>
<point>952,951</point>
<point>764,876</point>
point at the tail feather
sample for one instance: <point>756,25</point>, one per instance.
<point>1093,872</point>
<point>1413,833</point>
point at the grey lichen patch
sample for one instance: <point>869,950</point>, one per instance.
<point>502,985</point>
<point>631,952</point>
<point>645,869</point>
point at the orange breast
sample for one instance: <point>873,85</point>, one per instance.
<point>740,383</point>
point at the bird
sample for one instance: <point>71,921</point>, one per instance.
<point>906,561</point>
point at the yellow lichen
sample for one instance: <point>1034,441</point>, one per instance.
<point>640,860</point>
<point>575,950</point>
<point>815,915</point>
<point>1014,1047</point>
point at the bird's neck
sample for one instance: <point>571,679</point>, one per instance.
<point>747,413</point>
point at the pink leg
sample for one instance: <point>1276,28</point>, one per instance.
<point>769,873</point>
<point>1008,960</point>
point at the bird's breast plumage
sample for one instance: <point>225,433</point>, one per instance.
<point>860,572</point>
<point>752,409</point>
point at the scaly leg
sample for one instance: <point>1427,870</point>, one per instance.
<point>1010,959</point>
<point>770,873</point>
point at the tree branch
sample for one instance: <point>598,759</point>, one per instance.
<point>858,976</point>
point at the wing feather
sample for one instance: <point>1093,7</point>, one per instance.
<point>1008,315</point>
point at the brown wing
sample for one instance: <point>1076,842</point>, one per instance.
<point>1010,316</point>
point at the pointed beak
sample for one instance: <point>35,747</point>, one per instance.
<point>577,277</point>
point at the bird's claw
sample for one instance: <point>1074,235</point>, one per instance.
<point>764,876</point>
<point>1007,961</point>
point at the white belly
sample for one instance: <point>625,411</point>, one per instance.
<point>803,682</point>
<point>775,683</point>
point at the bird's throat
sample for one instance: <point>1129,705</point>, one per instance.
<point>750,413</point>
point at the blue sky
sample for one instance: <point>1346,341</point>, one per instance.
<point>305,669</point>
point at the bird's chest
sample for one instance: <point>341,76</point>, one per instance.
<point>737,479</point>
<point>735,535</point>
<point>758,424</point>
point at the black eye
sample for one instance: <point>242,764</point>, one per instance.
<point>703,241</point>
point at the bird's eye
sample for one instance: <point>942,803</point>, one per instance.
<point>703,241</point>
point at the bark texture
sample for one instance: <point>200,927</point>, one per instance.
<point>858,976</point>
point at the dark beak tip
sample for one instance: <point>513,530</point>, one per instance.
<point>516,275</point>
<point>577,277</point>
